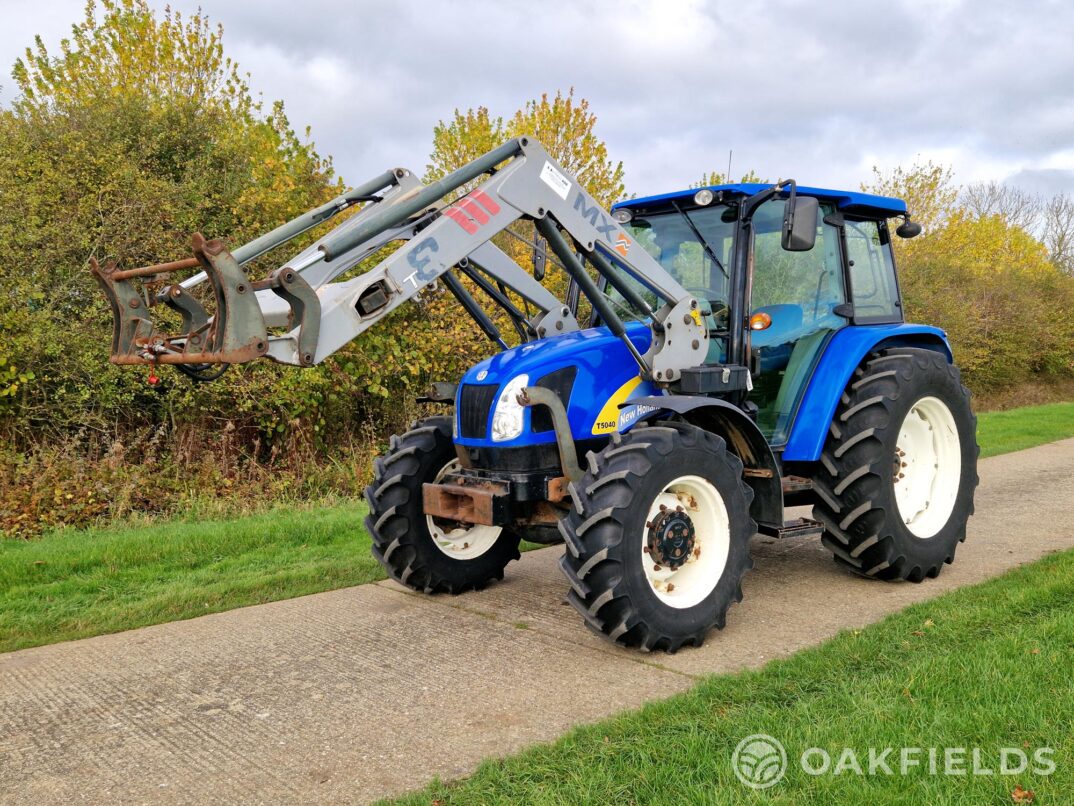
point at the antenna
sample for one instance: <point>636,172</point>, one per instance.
<point>730,151</point>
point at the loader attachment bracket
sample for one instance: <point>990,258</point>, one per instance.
<point>179,300</point>
<point>130,319</point>
<point>289,286</point>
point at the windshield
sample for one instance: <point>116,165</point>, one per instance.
<point>693,246</point>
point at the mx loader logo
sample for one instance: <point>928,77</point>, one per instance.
<point>595,216</point>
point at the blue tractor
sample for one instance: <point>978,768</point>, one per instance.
<point>721,355</point>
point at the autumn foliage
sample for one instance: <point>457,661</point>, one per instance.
<point>1006,302</point>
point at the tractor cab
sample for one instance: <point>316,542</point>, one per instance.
<point>774,308</point>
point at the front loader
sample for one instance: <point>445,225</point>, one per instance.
<point>745,353</point>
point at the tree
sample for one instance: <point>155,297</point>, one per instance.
<point>1015,206</point>
<point>464,139</point>
<point>928,190</point>
<point>990,285</point>
<point>980,274</point>
<point>563,125</point>
<point>138,132</point>
<point>1058,232</point>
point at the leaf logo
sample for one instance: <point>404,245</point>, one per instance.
<point>759,761</point>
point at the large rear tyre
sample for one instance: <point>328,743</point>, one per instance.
<point>899,468</point>
<point>425,553</point>
<point>658,538</point>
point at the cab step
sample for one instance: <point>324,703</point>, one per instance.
<point>799,527</point>
<point>796,484</point>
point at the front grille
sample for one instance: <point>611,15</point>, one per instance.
<point>475,405</point>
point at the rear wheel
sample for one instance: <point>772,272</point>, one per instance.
<point>658,539</point>
<point>425,553</point>
<point>900,467</point>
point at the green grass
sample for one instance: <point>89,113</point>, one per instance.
<point>77,583</point>
<point>73,584</point>
<point>989,666</point>
<point>1016,429</point>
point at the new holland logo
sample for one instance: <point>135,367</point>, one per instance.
<point>472,212</point>
<point>622,245</point>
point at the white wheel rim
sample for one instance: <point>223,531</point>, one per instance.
<point>695,579</point>
<point>460,541</point>
<point>928,467</point>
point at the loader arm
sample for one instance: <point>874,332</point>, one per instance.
<point>518,180</point>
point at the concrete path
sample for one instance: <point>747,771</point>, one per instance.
<point>371,691</point>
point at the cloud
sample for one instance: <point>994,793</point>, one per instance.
<point>1045,182</point>
<point>820,92</point>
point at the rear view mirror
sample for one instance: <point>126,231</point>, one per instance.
<point>908,229</point>
<point>800,223</point>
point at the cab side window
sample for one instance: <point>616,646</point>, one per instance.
<point>872,273</point>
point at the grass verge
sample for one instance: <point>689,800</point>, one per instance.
<point>77,583</point>
<point>952,672</point>
<point>74,584</point>
<point>1017,429</point>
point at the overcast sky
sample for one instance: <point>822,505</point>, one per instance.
<point>816,91</point>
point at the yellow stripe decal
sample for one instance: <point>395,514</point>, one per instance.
<point>608,419</point>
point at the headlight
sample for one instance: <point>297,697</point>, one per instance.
<point>507,418</point>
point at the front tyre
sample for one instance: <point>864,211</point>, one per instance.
<point>899,468</point>
<point>425,553</point>
<point>658,538</point>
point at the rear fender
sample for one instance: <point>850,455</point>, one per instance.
<point>744,439</point>
<point>843,354</point>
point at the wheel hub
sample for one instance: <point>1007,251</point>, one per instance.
<point>671,538</point>
<point>927,467</point>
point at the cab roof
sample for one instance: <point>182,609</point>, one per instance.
<point>847,201</point>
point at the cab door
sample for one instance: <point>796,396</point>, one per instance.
<point>799,291</point>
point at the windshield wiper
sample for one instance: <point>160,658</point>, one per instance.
<point>697,234</point>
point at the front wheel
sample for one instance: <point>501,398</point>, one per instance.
<point>658,539</point>
<point>422,552</point>
<point>899,468</point>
